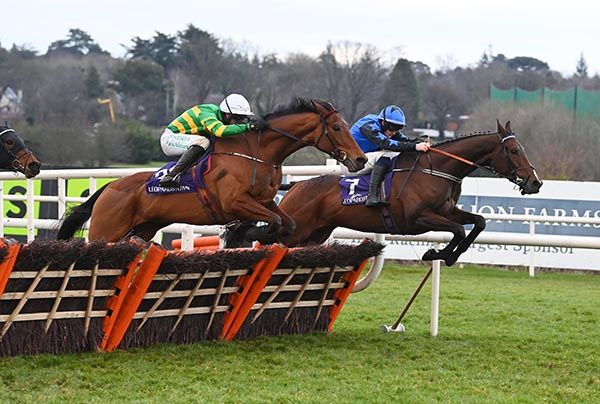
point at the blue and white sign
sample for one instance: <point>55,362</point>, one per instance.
<point>497,196</point>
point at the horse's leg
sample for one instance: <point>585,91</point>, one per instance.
<point>463,217</point>
<point>435,222</point>
<point>236,233</point>
<point>238,236</point>
<point>247,208</point>
<point>288,224</point>
<point>320,235</point>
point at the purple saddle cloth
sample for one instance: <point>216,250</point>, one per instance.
<point>354,190</point>
<point>190,180</point>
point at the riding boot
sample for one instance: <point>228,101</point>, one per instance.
<point>377,176</point>
<point>187,159</point>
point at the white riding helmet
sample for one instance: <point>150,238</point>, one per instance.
<point>236,104</point>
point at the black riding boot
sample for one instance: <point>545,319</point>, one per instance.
<point>187,159</point>
<point>377,176</point>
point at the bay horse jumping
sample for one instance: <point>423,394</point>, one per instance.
<point>245,177</point>
<point>428,184</point>
<point>14,155</point>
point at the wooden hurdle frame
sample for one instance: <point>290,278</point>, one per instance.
<point>148,302</point>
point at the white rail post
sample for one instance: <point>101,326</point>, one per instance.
<point>187,238</point>
<point>62,197</point>
<point>435,296</point>
<point>93,185</point>
<point>531,253</point>
<point>30,212</point>
<point>158,237</point>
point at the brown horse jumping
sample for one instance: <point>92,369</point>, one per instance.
<point>15,156</point>
<point>245,177</point>
<point>429,189</point>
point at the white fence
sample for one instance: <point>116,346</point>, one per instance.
<point>188,232</point>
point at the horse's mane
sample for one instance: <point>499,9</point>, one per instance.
<point>298,105</point>
<point>463,137</point>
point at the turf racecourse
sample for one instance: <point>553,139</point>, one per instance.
<point>503,337</point>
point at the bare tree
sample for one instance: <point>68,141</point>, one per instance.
<point>442,98</point>
<point>559,148</point>
<point>352,77</point>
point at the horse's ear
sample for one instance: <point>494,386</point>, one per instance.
<point>507,126</point>
<point>500,128</point>
<point>317,106</point>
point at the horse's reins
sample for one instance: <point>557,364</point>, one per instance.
<point>339,153</point>
<point>336,154</point>
<point>512,178</point>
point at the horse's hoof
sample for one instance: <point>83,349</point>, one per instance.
<point>430,255</point>
<point>451,260</point>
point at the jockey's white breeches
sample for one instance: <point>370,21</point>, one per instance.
<point>372,159</point>
<point>175,144</point>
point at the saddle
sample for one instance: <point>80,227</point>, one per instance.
<point>354,190</point>
<point>191,180</point>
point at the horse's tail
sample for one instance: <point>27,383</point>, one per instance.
<point>77,217</point>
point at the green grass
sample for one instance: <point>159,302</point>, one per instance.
<point>504,337</point>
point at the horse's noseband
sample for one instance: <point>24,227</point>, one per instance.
<point>512,176</point>
<point>16,162</point>
<point>337,153</point>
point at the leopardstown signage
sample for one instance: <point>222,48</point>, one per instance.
<point>497,196</point>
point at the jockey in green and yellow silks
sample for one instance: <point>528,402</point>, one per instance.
<point>189,134</point>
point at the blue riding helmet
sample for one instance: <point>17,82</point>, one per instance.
<point>392,114</point>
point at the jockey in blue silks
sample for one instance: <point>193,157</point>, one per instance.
<point>380,139</point>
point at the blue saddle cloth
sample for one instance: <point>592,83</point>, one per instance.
<point>191,179</point>
<point>354,190</point>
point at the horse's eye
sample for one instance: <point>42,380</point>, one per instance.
<point>514,152</point>
<point>9,143</point>
<point>336,127</point>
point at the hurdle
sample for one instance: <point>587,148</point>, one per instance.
<point>58,297</point>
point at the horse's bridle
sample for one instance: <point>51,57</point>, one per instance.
<point>337,153</point>
<point>512,176</point>
<point>16,162</point>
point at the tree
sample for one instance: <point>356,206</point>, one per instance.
<point>402,89</point>
<point>26,51</point>
<point>142,144</point>
<point>332,73</point>
<point>443,101</point>
<point>581,70</point>
<point>137,77</point>
<point>484,60</point>
<point>524,63</point>
<point>559,148</point>
<point>161,49</point>
<point>199,63</point>
<point>351,77</point>
<point>78,43</point>
<point>142,83</point>
<point>93,87</point>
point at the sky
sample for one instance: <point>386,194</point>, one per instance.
<point>438,33</point>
